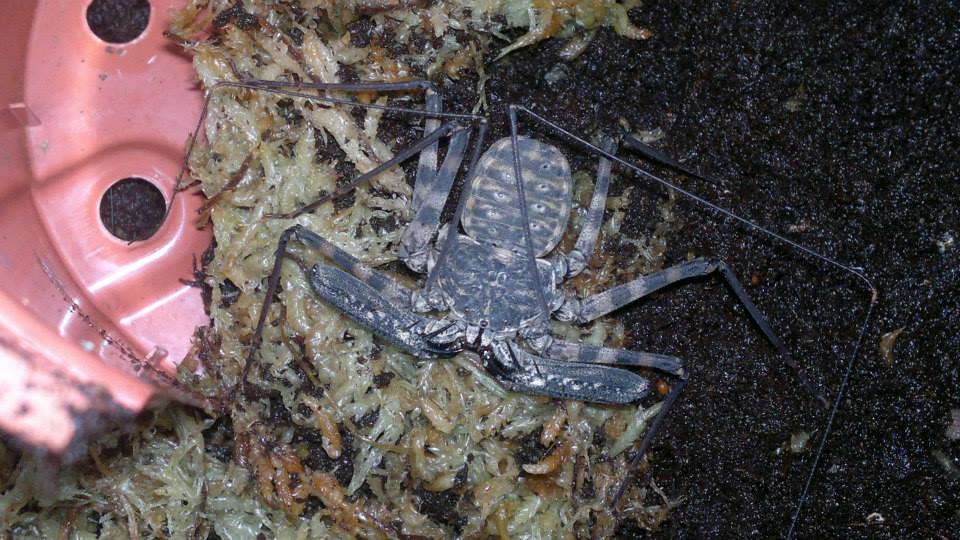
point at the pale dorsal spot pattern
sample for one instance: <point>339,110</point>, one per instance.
<point>492,214</point>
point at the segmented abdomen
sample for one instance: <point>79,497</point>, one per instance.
<point>492,213</point>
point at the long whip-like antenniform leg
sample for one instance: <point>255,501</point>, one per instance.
<point>856,272</point>
<point>524,215</point>
<point>295,90</point>
<point>280,87</point>
<point>700,200</point>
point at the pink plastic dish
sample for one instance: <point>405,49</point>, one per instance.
<point>79,307</point>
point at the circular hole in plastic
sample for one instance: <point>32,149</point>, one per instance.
<point>132,209</point>
<point>118,21</point>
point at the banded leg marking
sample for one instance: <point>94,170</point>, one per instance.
<point>427,165</point>
<point>415,239</point>
<point>400,157</point>
<point>521,371</point>
<point>393,291</point>
<point>600,304</point>
<point>592,354</point>
<point>587,240</point>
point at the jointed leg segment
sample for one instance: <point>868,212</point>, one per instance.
<point>600,304</point>
<point>388,287</point>
<point>668,403</point>
<point>415,240</point>
<point>572,371</point>
<point>427,165</point>
<point>592,354</point>
<point>402,156</point>
<point>587,240</point>
<point>525,372</point>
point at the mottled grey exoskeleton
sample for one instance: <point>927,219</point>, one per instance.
<point>494,285</point>
<point>494,273</point>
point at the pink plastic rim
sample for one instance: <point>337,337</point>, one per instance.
<point>79,115</point>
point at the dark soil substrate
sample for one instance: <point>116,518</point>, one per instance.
<point>835,125</point>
